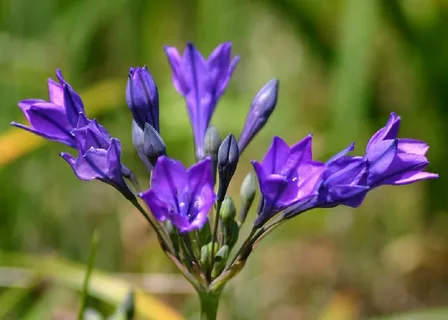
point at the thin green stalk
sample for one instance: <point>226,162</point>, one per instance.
<point>265,231</point>
<point>90,263</point>
<point>214,234</point>
<point>243,246</point>
<point>209,304</point>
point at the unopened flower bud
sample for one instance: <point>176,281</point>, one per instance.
<point>205,233</point>
<point>228,211</point>
<point>220,260</point>
<point>261,108</point>
<point>212,144</point>
<point>205,257</point>
<point>138,142</point>
<point>153,144</point>
<point>247,195</point>
<point>228,156</point>
<point>232,233</point>
<point>142,97</point>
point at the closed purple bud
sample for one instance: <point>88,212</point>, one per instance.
<point>142,97</point>
<point>261,109</point>
<point>228,156</point>
<point>153,144</point>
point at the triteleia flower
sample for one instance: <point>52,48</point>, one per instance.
<point>142,97</point>
<point>343,182</point>
<point>98,156</point>
<point>53,120</point>
<point>396,161</point>
<point>184,197</point>
<point>286,176</point>
<point>260,110</point>
<point>201,82</point>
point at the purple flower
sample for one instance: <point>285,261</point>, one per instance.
<point>142,97</point>
<point>181,196</point>
<point>201,82</point>
<point>286,176</point>
<point>395,161</point>
<point>98,156</point>
<point>53,120</point>
<point>343,182</point>
<point>261,109</point>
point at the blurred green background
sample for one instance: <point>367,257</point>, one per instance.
<point>343,67</point>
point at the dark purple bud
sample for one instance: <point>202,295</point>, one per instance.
<point>153,145</point>
<point>142,97</point>
<point>261,108</point>
<point>228,156</point>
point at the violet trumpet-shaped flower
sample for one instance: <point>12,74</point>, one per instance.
<point>201,82</point>
<point>260,110</point>
<point>286,176</point>
<point>98,156</point>
<point>395,161</point>
<point>343,182</point>
<point>142,97</point>
<point>184,197</point>
<point>54,119</point>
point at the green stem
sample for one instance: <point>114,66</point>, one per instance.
<point>85,286</point>
<point>161,234</point>
<point>214,234</point>
<point>209,304</point>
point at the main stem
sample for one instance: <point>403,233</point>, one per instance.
<point>209,304</point>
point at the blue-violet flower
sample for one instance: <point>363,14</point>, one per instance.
<point>395,161</point>
<point>98,156</point>
<point>53,120</point>
<point>184,197</point>
<point>286,176</point>
<point>201,82</point>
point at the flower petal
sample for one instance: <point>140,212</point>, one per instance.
<point>55,92</point>
<point>174,60</point>
<point>169,179</point>
<point>158,208</point>
<point>276,157</point>
<point>412,146</point>
<point>49,119</point>
<point>299,153</point>
<point>390,131</point>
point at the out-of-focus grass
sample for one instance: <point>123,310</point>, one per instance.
<point>343,66</point>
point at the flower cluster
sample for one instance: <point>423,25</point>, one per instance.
<point>181,200</point>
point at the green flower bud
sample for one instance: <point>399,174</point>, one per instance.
<point>247,195</point>
<point>232,233</point>
<point>205,233</point>
<point>228,211</point>
<point>220,260</point>
<point>211,145</point>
